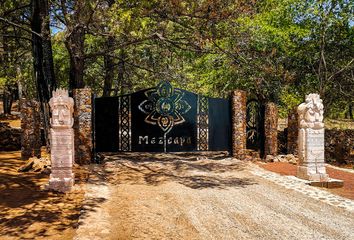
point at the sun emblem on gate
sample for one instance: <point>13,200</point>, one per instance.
<point>164,106</point>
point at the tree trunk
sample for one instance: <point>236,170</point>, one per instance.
<point>121,69</point>
<point>75,46</point>
<point>42,59</point>
<point>109,67</point>
<point>109,62</point>
<point>350,111</point>
<point>37,52</point>
<point>7,100</point>
<point>7,93</point>
<point>48,65</point>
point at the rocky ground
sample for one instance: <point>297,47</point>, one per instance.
<point>177,197</point>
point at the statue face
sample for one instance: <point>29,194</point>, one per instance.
<point>62,109</point>
<point>61,115</point>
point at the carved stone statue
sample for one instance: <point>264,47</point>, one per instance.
<point>62,141</point>
<point>311,112</point>
<point>311,140</point>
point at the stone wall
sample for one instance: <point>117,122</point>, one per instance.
<point>339,146</point>
<point>30,125</point>
<point>271,129</point>
<point>83,125</point>
<point>239,101</point>
<point>283,141</point>
<point>292,131</point>
<point>10,138</point>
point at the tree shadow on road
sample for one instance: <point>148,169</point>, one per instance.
<point>28,212</point>
<point>196,171</point>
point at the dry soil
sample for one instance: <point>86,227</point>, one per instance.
<point>174,197</point>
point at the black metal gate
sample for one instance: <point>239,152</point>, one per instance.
<point>255,125</point>
<point>162,119</point>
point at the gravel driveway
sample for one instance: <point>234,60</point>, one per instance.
<point>205,197</point>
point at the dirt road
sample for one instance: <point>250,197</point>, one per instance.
<point>169,197</point>
<point>27,212</point>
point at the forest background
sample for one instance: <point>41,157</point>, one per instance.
<point>278,50</point>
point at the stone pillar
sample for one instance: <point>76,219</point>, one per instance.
<point>83,125</point>
<point>271,129</point>
<point>311,164</point>
<point>238,104</point>
<point>293,132</point>
<point>62,141</point>
<point>31,132</point>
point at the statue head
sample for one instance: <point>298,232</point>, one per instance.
<point>62,107</point>
<point>311,112</point>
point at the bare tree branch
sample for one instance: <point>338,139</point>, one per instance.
<point>19,26</point>
<point>18,37</point>
<point>341,70</point>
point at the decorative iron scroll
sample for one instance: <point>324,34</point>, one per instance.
<point>124,121</point>
<point>164,107</point>
<point>202,124</point>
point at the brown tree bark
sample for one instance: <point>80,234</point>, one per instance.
<point>48,65</point>
<point>6,98</point>
<point>76,15</point>
<point>109,67</point>
<point>121,69</point>
<point>42,59</point>
<point>75,45</point>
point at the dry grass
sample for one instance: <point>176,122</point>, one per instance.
<point>329,124</point>
<point>339,124</point>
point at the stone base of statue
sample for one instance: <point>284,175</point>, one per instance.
<point>312,161</point>
<point>62,157</point>
<point>61,184</point>
<point>307,173</point>
<point>330,183</point>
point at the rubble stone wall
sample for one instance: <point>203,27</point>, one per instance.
<point>292,132</point>
<point>10,138</point>
<point>30,125</point>
<point>339,146</point>
<point>83,125</point>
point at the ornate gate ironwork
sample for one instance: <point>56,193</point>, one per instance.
<point>162,119</point>
<point>255,125</point>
